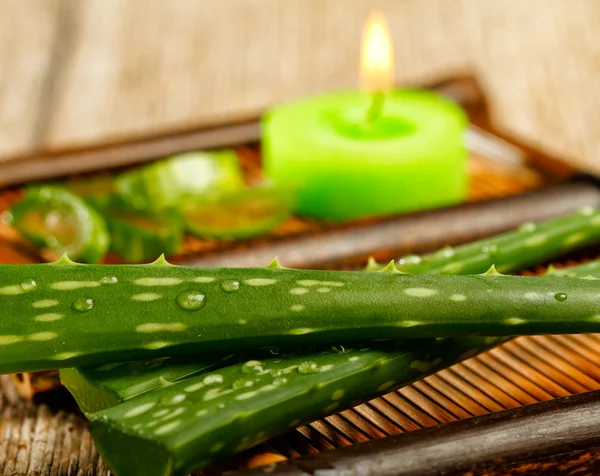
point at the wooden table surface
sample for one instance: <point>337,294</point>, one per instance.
<point>80,71</point>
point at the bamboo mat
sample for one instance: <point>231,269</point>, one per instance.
<point>74,72</point>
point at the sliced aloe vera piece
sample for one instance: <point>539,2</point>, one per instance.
<point>139,237</point>
<point>167,183</point>
<point>52,217</point>
<point>98,192</point>
<point>241,214</point>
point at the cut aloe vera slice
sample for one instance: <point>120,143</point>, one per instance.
<point>168,183</point>
<point>241,214</point>
<point>98,192</point>
<point>140,237</point>
<point>52,217</point>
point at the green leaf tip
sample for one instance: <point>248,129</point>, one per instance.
<point>275,264</point>
<point>161,261</point>
<point>163,382</point>
<point>391,268</point>
<point>372,265</point>
<point>492,272</point>
<point>64,260</point>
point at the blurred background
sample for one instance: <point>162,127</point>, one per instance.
<point>74,72</point>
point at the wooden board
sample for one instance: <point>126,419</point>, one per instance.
<point>124,68</point>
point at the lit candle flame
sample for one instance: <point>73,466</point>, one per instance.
<point>377,55</point>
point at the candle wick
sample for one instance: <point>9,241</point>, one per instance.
<point>376,107</point>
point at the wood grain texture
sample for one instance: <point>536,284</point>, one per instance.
<point>148,64</point>
<point>27,33</point>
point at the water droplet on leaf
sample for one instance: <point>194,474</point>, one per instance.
<point>109,280</point>
<point>308,367</point>
<point>280,381</point>
<point>83,305</point>
<point>230,286</point>
<point>28,284</point>
<point>409,259</point>
<point>252,367</point>
<point>191,300</point>
<point>560,297</point>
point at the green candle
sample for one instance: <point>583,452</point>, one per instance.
<point>349,165</point>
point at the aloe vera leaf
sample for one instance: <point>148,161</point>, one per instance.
<point>95,388</point>
<point>107,313</point>
<point>138,237</point>
<point>203,419</point>
<point>169,182</point>
<point>240,214</point>
<point>530,244</point>
<point>248,416</point>
<point>52,217</point>
<point>554,233</point>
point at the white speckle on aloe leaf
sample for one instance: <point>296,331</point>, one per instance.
<point>536,240</point>
<point>314,282</point>
<point>298,291</point>
<point>173,414</point>
<point>532,296</point>
<point>143,408</point>
<point>157,281</point>
<point>194,387</point>
<point>420,292</point>
<point>66,355</point>
<point>157,344</point>
<point>160,413</point>
<point>12,290</point>
<point>338,394</point>
<point>453,268</point>
<point>247,395</point>
<point>215,393</point>
<point>289,370</point>
<point>151,327</point>
<point>297,307</point>
<point>301,331</point>
<point>586,211</point>
<point>146,297</point>
<point>331,407</point>
<point>203,279</point>
<point>42,336</point>
<point>325,368</point>
<point>514,321</point>
<point>354,358</point>
<point>213,379</point>
<point>204,411</point>
<point>72,285</point>
<point>323,290</point>
<point>458,297</point>
<point>421,365</point>
<point>49,317</point>
<point>10,339</point>
<point>217,447</point>
<point>385,386</point>
<point>408,323</point>
<point>242,322</point>
<point>575,238</point>
<point>45,303</point>
<point>167,428</point>
<point>260,281</point>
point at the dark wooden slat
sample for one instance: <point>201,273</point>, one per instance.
<point>543,429</point>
